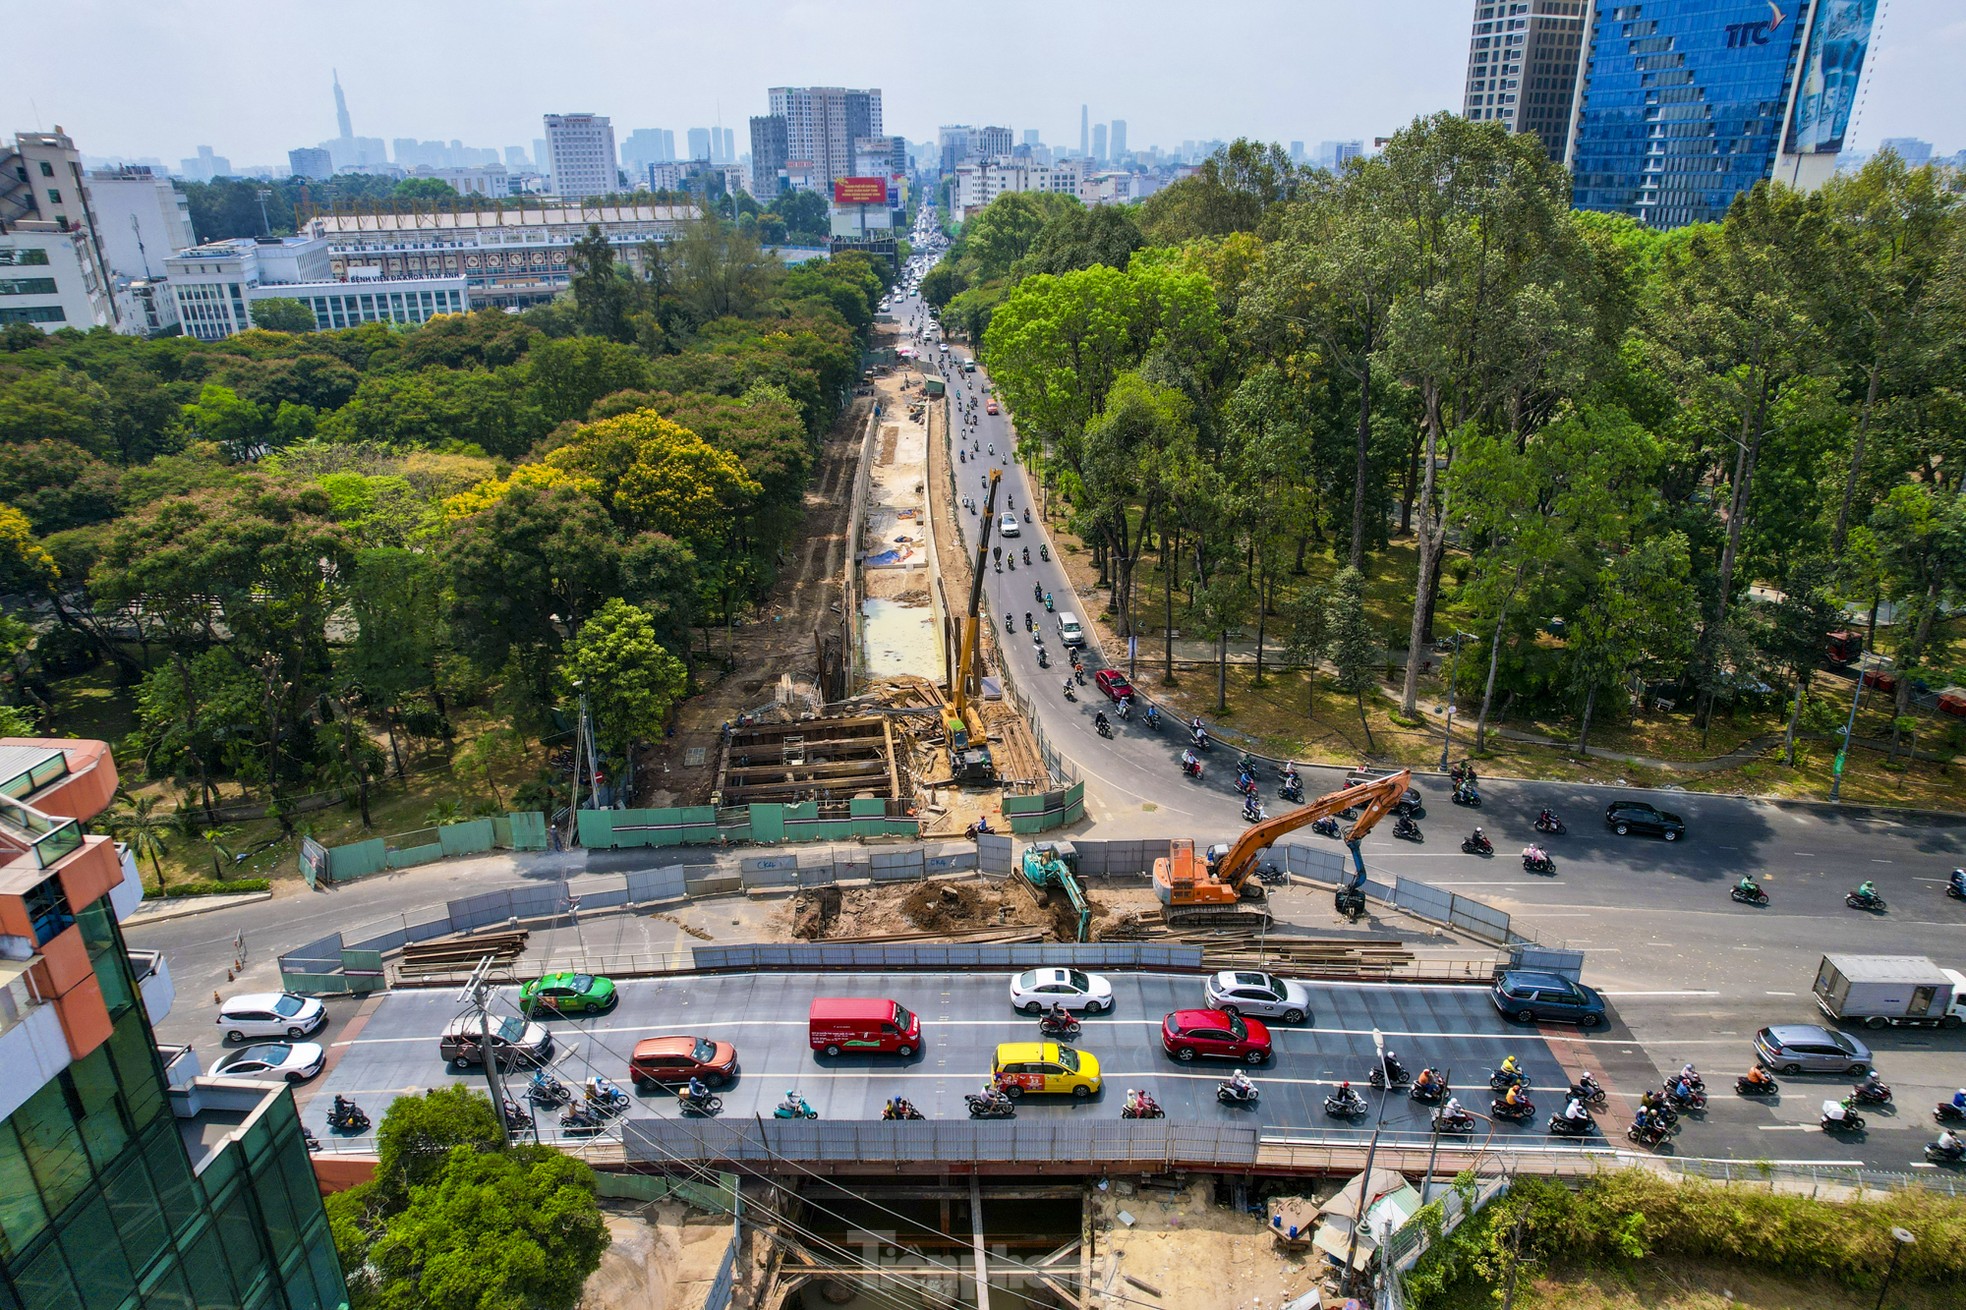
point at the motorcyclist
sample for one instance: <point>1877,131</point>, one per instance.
<point>1289,773</point>
<point>1188,761</point>
<point>1682,1088</point>
<point>1047,602</point>
<point>1510,1068</point>
<point>1027,549</point>
<point>1425,1082</point>
<point>1250,809</point>
<point>1758,1076</point>
<point>1153,717</point>
<point>1545,816</point>
<point>1746,886</point>
<point>1069,692</point>
<point>1452,1110</point>
<point>1132,1108</point>
<point>1689,1074</point>
<point>1059,1016</point>
<point>1515,1097</point>
<point>1575,1111</point>
<point>342,1105</point>
<point>1534,853</point>
<point>1029,624</point>
<point>1871,1085</point>
<point>696,1090</point>
<point>1100,721</point>
<point>1478,838</point>
<point>1867,890</point>
<point>1958,881</point>
<point>793,1102</point>
<point>1959,1100</point>
<point>1949,1143</point>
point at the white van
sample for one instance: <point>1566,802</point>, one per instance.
<point>1069,630</point>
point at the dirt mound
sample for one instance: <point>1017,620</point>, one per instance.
<point>814,911</point>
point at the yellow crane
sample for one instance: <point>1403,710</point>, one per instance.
<point>1220,888</point>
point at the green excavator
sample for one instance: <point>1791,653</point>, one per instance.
<point>1049,864</point>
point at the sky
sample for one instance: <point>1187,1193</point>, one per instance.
<point>137,78</point>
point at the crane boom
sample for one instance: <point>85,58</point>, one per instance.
<point>959,679</point>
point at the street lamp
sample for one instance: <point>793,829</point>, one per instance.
<point>1849,729</point>
<point>1447,737</point>
<point>1371,1149</point>
<point>1901,1238</point>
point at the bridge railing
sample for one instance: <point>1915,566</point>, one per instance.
<point>1149,1142</point>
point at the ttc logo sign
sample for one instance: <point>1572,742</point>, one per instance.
<point>1742,35</point>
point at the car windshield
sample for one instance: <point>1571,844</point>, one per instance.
<point>1080,983</point>
<point>1026,981</point>
<point>288,1006</point>
<point>581,982</point>
<point>511,1030</point>
<point>273,1053</point>
<point>903,1020</point>
<point>1843,1043</point>
<point>704,1051</point>
<point>1238,1027</point>
<point>1069,1058</point>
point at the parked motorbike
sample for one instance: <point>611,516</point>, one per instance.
<point>1064,1030</point>
<point>794,1106</point>
<point>344,1116</point>
<point>1271,876</point>
<point>1345,1103</point>
<point>1139,1105</point>
<point>707,1104</point>
<point>1472,845</point>
<point>1407,830</point>
<point>1747,896</point>
<point>1392,1066</point>
<point>991,1105</point>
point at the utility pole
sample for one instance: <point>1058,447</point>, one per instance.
<point>477,994</point>
<point>1371,1150</point>
<point>1849,729</point>
<point>1447,737</point>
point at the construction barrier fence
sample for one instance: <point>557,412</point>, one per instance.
<point>519,831</point>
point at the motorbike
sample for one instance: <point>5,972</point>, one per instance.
<point>1191,767</point>
<point>1030,625</point>
<point>1202,741</point>
<point>962,456</point>
<point>1502,1079</point>
<point>1071,692</point>
<point>347,1117</point>
<point>1746,1086</point>
<point>1431,1092</point>
<point>1955,891</point>
<point>1044,658</point>
<point>1838,1117</point>
<point>1037,591</point>
<point>1536,860</point>
<point>1946,1112</point>
<point>1139,1105</point>
<point>1027,557</point>
<point>1462,774</point>
<point>1695,1099</point>
<point>1229,1094</point>
<point>581,1122</point>
<point>307,1136</point>
<point>1245,785</point>
<point>1477,846</point>
<point>1292,791</point>
<point>1564,1126</point>
<point>605,1098</point>
<point>1747,897</point>
<point>707,1104</point>
<point>1027,516</point>
<point>990,1105</point>
<point>1066,1029</point>
<point>1044,552</point>
<point>1547,822</point>
<point>1325,827</point>
<point>1400,1077</point>
<point>900,1108</point>
<point>547,1090</point>
<point>794,1106</point>
<point>1460,1124</point>
<point>980,826</point>
<point>1467,796</point>
<point>1105,729</point>
<point>1346,1104</point>
<point>517,1118</point>
<point>1586,1089</point>
<point>1252,810</point>
<point>1648,1136</point>
<point>1048,608</point>
<point>1521,1112</point>
<point>1010,562</point>
<point>1868,1093</point>
<point>1152,719</point>
<point>1407,830</point>
<point>1271,876</point>
<point>1934,1154</point>
<point>1664,1112</point>
<point>1864,901</point>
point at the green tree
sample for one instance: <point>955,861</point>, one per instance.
<point>282,314</point>
<point>1307,616</point>
<point>1354,652</point>
<point>1637,613</point>
<point>631,681</point>
<point>1799,626</point>
<point>137,824</point>
<point>600,294</point>
<point>220,416</point>
<point>1078,237</point>
<point>219,842</point>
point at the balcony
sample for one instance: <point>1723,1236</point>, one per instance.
<point>214,1113</point>
<point>33,1046</point>
<point>153,974</point>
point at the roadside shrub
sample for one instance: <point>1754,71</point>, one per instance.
<point>213,887</point>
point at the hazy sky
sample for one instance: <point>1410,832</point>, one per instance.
<point>159,77</point>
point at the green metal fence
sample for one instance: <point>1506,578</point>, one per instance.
<point>521,831</point>
<point>1046,810</point>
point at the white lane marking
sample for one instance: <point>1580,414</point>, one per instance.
<point>1878,861</point>
<point>1602,992</point>
<point>1778,993</point>
<point>1547,882</point>
<point>1789,1128</point>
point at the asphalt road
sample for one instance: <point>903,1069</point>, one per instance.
<point>964,1016</point>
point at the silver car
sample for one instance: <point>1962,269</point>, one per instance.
<point>1810,1048</point>
<point>1241,991</point>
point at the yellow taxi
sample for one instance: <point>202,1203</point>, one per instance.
<point>1045,1067</point>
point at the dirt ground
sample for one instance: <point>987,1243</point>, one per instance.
<point>1192,1251</point>
<point>952,906</point>
<point>664,1257</point>
<point>1681,1284</point>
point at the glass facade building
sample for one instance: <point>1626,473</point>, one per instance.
<point>1683,103</point>
<point>120,1189</point>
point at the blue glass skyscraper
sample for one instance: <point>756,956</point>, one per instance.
<point>1684,104</point>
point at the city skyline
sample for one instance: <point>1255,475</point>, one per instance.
<point>1266,89</point>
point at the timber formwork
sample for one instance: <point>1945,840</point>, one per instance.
<point>813,759</point>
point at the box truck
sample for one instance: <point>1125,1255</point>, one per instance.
<point>1881,990</point>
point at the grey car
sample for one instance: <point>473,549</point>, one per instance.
<point>1810,1048</point>
<point>1242,991</point>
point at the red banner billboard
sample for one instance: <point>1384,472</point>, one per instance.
<point>860,191</point>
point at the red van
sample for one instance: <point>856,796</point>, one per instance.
<point>863,1023</point>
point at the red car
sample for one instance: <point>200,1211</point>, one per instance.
<point>1217,1034</point>
<point>1113,683</point>
<point>658,1060</point>
<point>990,408</point>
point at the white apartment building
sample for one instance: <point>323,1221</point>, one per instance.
<point>977,184</point>
<point>481,180</point>
<point>581,156</point>
<point>821,125</point>
<point>216,285</point>
<point>505,256</point>
<point>48,278</point>
<point>142,220</point>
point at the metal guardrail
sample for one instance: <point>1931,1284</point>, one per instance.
<point>1154,1143</point>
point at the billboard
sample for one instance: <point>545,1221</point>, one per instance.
<point>1832,65</point>
<point>860,191</point>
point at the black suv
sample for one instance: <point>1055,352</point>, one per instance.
<point>1624,817</point>
<point>1530,996</point>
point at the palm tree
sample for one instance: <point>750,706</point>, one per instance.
<point>443,812</point>
<point>220,842</point>
<point>138,825</point>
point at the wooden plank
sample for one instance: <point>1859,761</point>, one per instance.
<point>893,781</point>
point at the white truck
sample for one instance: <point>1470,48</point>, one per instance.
<point>1880,991</point>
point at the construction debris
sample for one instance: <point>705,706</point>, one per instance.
<point>813,910</point>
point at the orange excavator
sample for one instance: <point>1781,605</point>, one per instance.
<point>1220,889</point>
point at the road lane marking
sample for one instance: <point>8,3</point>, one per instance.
<point>1789,1128</point>
<point>1602,992</point>
<point>1779,993</point>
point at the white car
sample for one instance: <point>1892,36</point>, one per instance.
<point>270,1014</point>
<point>294,1061</point>
<point>1007,526</point>
<point>1244,991</point>
<point>1036,991</point>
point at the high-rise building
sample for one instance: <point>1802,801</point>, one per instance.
<point>343,125</point>
<point>1914,152</point>
<point>48,225</point>
<point>141,219</point>
<point>516,160</point>
<point>310,162</point>
<point>580,155</point>
<point>822,123</point>
<point>1117,140</point>
<point>727,144</point>
<point>1099,142</point>
<point>640,148</point>
<point>1684,104</point>
<point>1296,152</point>
<point>1333,154</point>
<point>769,155</point>
<point>1085,137</point>
<point>1522,66</point>
<point>540,158</point>
<point>699,143</point>
<point>1031,137</point>
<point>131,1178</point>
<point>205,166</point>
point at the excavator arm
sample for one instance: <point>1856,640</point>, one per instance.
<point>959,676</point>
<point>1379,797</point>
